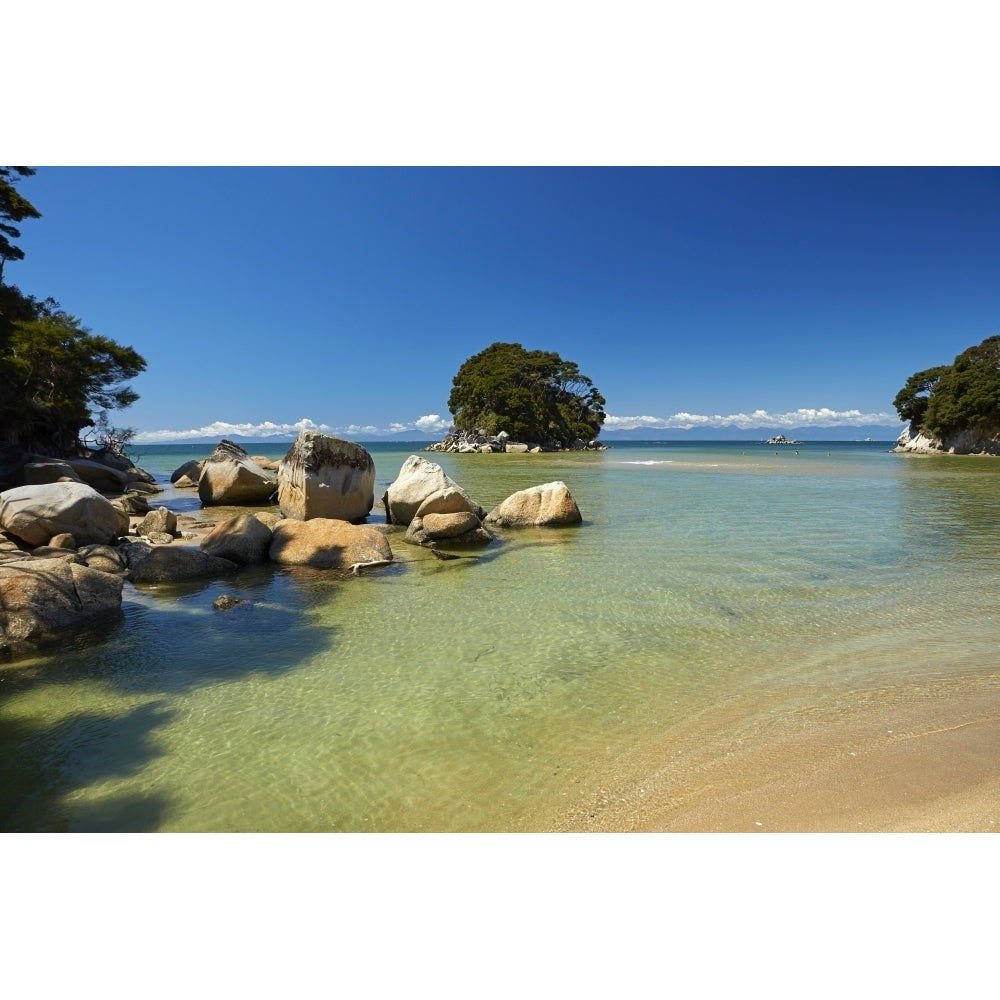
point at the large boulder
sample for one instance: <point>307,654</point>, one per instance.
<point>54,470</point>
<point>36,513</point>
<point>423,487</point>
<point>326,543</point>
<point>40,597</point>
<point>242,540</point>
<point>104,478</point>
<point>548,504</point>
<point>323,476</point>
<point>231,477</point>
<point>149,563</point>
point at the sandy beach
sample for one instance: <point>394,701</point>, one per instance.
<point>922,759</point>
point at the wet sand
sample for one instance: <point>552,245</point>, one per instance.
<point>920,759</point>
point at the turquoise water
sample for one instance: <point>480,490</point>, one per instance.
<point>715,592</point>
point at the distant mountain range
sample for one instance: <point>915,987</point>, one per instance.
<point>874,432</point>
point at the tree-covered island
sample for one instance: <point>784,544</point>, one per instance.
<point>531,396</point>
<point>956,407</point>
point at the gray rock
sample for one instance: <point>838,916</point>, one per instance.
<point>161,520</point>
<point>230,476</point>
<point>37,513</point>
<point>172,563</point>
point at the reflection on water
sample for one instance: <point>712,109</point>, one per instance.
<point>709,591</point>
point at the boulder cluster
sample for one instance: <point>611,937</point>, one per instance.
<point>67,545</point>
<point>479,442</point>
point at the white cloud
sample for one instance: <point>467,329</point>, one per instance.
<point>805,417</point>
<point>432,423</point>
<point>218,429</point>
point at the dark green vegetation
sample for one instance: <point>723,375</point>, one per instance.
<point>532,395</point>
<point>56,377</point>
<point>963,396</point>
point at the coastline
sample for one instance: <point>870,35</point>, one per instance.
<point>920,759</point>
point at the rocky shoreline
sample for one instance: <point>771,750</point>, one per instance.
<point>479,442</point>
<point>913,441</point>
<point>73,531</point>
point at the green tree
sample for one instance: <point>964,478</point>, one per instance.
<point>532,395</point>
<point>964,395</point>
<point>54,372</point>
<point>13,208</point>
<point>911,401</point>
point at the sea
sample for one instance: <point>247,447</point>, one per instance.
<point>727,614</point>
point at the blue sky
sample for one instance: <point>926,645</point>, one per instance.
<point>702,300</point>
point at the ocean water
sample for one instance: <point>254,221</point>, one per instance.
<point>718,596</point>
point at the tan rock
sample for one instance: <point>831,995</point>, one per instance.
<point>326,543</point>
<point>417,481</point>
<point>231,477</point>
<point>39,597</point>
<point>161,519</point>
<point>548,504</point>
<point>324,476</point>
<point>242,540</point>
<point>450,525</point>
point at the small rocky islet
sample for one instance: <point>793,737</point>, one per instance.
<point>73,530</point>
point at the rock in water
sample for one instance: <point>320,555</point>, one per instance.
<point>422,488</point>
<point>548,504</point>
<point>242,540</point>
<point>323,476</point>
<point>39,597</point>
<point>325,543</point>
<point>231,476</point>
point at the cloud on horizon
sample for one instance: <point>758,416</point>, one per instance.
<point>431,423</point>
<point>822,417</point>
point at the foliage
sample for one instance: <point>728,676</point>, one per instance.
<point>53,371</point>
<point>13,208</point>
<point>951,398</point>
<point>532,395</point>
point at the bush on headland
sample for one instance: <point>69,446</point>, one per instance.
<point>954,408</point>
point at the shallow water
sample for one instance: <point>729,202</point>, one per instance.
<point>713,590</point>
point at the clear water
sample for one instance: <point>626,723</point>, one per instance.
<point>715,591</point>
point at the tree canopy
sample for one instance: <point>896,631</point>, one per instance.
<point>56,376</point>
<point>13,208</point>
<point>532,395</point>
<point>961,396</point>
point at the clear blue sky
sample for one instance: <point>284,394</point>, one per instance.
<point>349,297</point>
